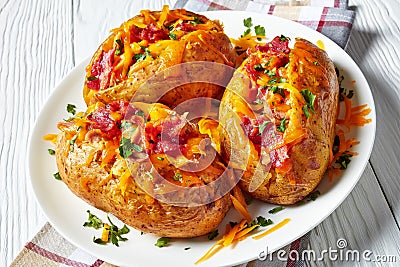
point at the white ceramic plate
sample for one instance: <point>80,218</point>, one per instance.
<point>67,213</point>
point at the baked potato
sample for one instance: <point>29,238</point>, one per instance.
<point>280,110</point>
<point>129,160</point>
<point>150,43</point>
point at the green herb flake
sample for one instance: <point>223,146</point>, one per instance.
<point>314,195</point>
<point>126,147</point>
<point>177,176</point>
<point>306,112</point>
<point>344,161</point>
<point>283,38</point>
<point>196,21</point>
<point>258,67</point>
<point>51,151</point>
<point>309,97</point>
<point>282,126</point>
<point>258,101</point>
<point>160,158</point>
<point>213,234</point>
<point>247,23</point>
<point>172,36</point>
<point>162,242</point>
<point>246,32</point>
<point>260,31</point>
<point>262,127</point>
<point>118,50</point>
<point>99,241</point>
<point>270,73</point>
<point>277,90</point>
<point>276,210</point>
<point>93,221</point>
<point>57,176</point>
<point>316,63</point>
<point>71,109</point>
<point>92,78</point>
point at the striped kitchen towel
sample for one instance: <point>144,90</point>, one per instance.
<point>330,17</point>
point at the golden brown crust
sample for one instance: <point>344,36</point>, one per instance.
<point>309,68</point>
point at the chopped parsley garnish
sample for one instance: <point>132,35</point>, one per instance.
<point>260,220</point>
<point>344,160</point>
<point>118,51</point>
<point>247,23</point>
<point>270,73</point>
<point>72,142</point>
<point>92,78</point>
<point>196,21</point>
<point>282,80</point>
<point>93,221</point>
<point>126,147</point>
<point>57,176</point>
<point>276,210</point>
<point>316,63</point>
<point>213,234</point>
<point>139,57</point>
<point>115,234</point>
<point>262,126</point>
<point>172,36</point>
<point>272,81</point>
<point>343,92</point>
<point>260,31</point>
<point>160,158</point>
<point>309,97</point>
<point>306,113</point>
<point>246,32</point>
<point>258,101</point>
<point>177,176</point>
<point>162,242</point>
<point>277,90</point>
<point>283,38</point>
<point>282,126</point>
<point>140,113</point>
<point>71,109</point>
<point>258,67</point>
<point>51,151</point>
<point>314,195</point>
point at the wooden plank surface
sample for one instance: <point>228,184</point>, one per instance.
<point>36,53</point>
<point>42,40</point>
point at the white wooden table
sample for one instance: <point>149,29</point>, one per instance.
<point>42,40</point>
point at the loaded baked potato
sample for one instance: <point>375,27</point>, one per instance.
<point>280,108</point>
<point>150,43</point>
<point>122,158</point>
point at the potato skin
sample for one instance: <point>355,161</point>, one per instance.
<point>189,48</point>
<point>93,183</point>
<point>309,157</point>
